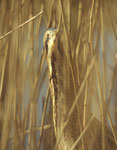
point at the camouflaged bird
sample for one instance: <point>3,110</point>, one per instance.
<point>63,96</point>
<point>60,88</point>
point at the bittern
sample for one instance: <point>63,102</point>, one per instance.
<point>60,94</point>
<point>63,95</point>
<point>50,45</point>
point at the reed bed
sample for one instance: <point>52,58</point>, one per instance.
<point>88,39</point>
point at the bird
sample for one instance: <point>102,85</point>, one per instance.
<point>50,45</point>
<point>63,96</point>
<point>57,71</point>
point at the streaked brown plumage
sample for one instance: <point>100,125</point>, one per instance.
<point>61,92</point>
<point>63,96</point>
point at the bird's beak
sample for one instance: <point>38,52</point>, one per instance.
<point>56,31</point>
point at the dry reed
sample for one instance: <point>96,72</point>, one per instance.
<point>88,37</point>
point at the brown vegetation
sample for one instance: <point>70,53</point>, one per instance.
<point>88,37</point>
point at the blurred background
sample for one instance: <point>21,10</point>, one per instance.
<point>89,29</point>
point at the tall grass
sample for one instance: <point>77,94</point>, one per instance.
<point>87,39</point>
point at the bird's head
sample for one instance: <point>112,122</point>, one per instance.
<point>50,40</point>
